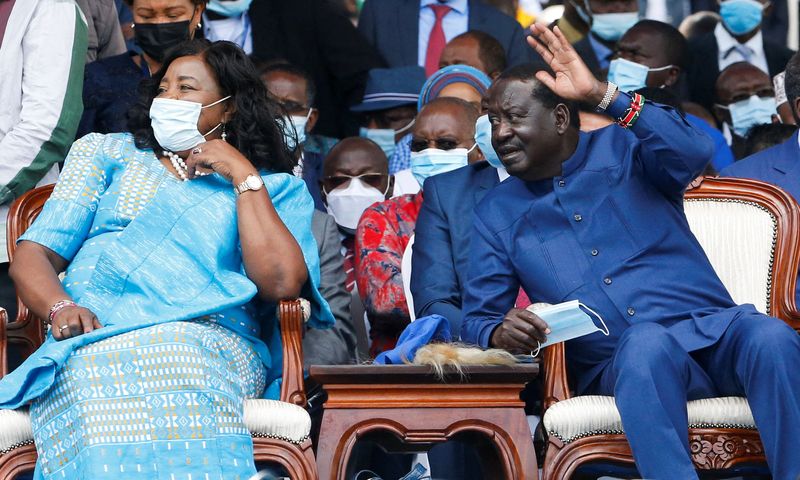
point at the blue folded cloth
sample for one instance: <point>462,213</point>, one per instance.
<point>418,333</point>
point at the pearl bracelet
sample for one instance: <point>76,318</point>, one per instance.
<point>57,307</point>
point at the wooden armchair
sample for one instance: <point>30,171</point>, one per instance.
<point>751,233</point>
<point>280,429</point>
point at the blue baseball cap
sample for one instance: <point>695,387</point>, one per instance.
<point>390,88</point>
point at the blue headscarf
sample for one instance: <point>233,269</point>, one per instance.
<point>449,75</point>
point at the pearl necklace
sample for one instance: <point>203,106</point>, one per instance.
<point>180,166</point>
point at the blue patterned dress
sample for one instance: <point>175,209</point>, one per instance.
<point>157,393</point>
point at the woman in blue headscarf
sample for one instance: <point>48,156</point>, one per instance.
<point>177,241</point>
<point>459,81</point>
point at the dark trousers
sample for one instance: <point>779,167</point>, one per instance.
<point>651,378</point>
<point>8,296</point>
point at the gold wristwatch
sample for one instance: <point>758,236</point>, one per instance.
<point>252,182</point>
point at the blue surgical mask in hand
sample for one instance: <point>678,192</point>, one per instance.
<point>741,17</point>
<point>567,321</point>
<point>612,26</point>
<point>746,114</point>
<point>483,138</point>
<point>630,76</point>
<point>433,161</point>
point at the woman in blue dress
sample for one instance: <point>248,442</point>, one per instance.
<point>176,241</point>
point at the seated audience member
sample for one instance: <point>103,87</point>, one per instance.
<point>745,98</point>
<point>311,34</point>
<point>355,176</point>
<point>44,52</point>
<point>779,165</point>
<point>784,109</point>
<point>443,140</point>
<point>609,20</point>
<point>389,106</point>
<point>110,85</point>
<point>476,49</point>
<point>592,217</point>
<point>294,90</point>
<point>414,32</point>
<point>189,268</point>
<point>574,22</point>
<point>105,34</point>
<point>737,38</point>
<point>337,345</point>
<point>762,137</point>
<point>454,81</point>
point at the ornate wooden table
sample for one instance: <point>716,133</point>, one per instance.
<point>405,407</point>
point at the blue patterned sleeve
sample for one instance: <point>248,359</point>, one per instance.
<point>295,207</point>
<point>67,216</point>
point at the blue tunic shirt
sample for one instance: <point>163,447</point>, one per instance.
<point>610,232</point>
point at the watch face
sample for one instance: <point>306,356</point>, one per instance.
<point>253,182</point>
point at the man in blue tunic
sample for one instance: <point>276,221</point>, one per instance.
<point>598,217</point>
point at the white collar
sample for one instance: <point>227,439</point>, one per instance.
<point>726,42</point>
<point>502,174</point>
<point>459,6</point>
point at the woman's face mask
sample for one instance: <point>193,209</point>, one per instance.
<point>156,38</point>
<point>174,123</point>
<point>229,8</point>
<point>630,76</point>
<point>433,161</point>
<point>346,205</point>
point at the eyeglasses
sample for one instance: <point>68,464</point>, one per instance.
<point>372,179</point>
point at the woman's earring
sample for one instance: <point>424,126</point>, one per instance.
<point>199,24</point>
<point>224,135</point>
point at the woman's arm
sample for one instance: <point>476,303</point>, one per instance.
<point>272,258</point>
<point>35,272</point>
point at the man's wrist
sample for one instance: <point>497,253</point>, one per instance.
<point>599,95</point>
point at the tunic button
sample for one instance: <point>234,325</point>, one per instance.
<point>577,218</point>
<point>562,183</point>
<point>594,252</point>
<point>631,311</point>
<point>607,281</point>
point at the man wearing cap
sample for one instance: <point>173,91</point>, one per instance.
<point>389,107</point>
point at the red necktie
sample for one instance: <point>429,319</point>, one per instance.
<point>436,40</point>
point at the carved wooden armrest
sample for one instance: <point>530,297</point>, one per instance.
<point>290,315</point>
<point>3,343</point>
<point>556,386</point>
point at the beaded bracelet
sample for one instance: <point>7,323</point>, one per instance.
<point>632,114</point>
<point>57,307</point>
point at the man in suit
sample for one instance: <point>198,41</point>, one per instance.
<point>733,40</point>
<point>295,91</point>
<point>779,165</point>
<point>312,34</point>
<point>414,32</point>
<point>745,98</point>
<point>337,345</point>
<point>609,20</point>
<point>598,217</point>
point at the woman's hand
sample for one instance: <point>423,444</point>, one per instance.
<point>221,157</point>
<point>573,80</point>
<point>73,321</point>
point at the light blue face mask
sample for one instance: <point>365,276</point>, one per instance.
<point>384,137</point>
<point>433,161</point>
<point>567,321</point>
<point>483,138</point>
<point>746,114</point>
<point>630,76</point>
<point>297,136</point>
<point>741,17</point>
<point>612,26</point>
<point>229,8</point>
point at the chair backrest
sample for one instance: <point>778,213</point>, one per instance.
<point>749,231</point>
<point>26,332</point>
<point>405,271</point>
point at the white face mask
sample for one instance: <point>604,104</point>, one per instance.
<point>299,125</point>
<point>174,123</point>
<point>347,204</point>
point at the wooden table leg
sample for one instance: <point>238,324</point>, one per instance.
<point>505,428</point>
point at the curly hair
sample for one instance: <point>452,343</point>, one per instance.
<point>256,128</point>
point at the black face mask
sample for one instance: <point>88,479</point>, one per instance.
<point>156,38</point>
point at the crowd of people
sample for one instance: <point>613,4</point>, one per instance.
<point>388,161</point>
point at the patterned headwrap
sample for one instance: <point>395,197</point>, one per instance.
<point>449,75</point>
